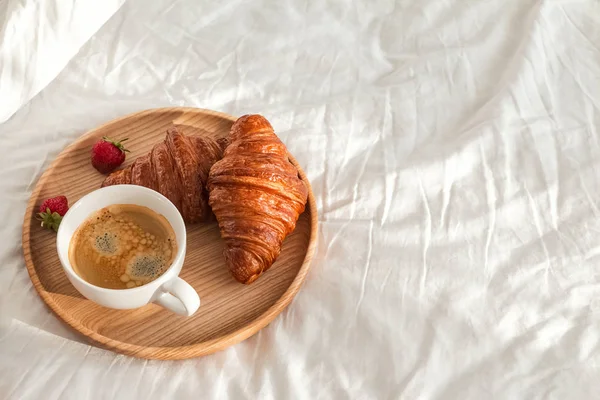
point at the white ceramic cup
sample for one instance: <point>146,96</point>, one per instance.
<point>168,290</point>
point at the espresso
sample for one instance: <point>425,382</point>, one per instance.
<point>122,246</point>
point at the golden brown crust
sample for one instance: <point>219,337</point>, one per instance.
<point>119,177</point>
<point>188,171</point>
<point>256,195</point>
<point>177,168</point>
<point>142,172</point>
<point>164,166</point>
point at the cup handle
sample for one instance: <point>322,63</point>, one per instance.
<point>178,296</point>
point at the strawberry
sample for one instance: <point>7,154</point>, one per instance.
<point>51,212</point>
<point>108,154</point>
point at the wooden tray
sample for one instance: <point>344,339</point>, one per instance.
<point>230,312</point>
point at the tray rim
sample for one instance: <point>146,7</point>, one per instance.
<point>165,352</point>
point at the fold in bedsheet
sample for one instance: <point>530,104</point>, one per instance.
<point>452,146</point>
<point>38,39</point>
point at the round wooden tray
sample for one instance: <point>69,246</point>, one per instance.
<point>230,312</point>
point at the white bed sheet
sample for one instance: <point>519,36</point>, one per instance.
<point>453,149</point>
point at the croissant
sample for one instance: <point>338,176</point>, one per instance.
<point>177,168</point>
<point>257,196</point>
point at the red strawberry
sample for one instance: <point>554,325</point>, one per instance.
<point>108,154</point>
<point>52,211</point>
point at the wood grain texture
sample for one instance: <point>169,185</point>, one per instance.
<point>230,312</point>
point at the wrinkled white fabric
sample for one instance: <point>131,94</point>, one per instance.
<point>37,40</point>
<point>453,149</point>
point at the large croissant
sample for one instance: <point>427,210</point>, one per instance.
<point>178,169</point>
<point>257,196</point>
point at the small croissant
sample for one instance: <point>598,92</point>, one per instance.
<point>177,168</point>
<point>257,196</point>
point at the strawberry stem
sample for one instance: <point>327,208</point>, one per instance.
<point>117,143</point>
<point>49,220</point>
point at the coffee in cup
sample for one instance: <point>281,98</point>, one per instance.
<point>122,246</point>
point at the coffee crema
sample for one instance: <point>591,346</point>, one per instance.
<point>122,246</point>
